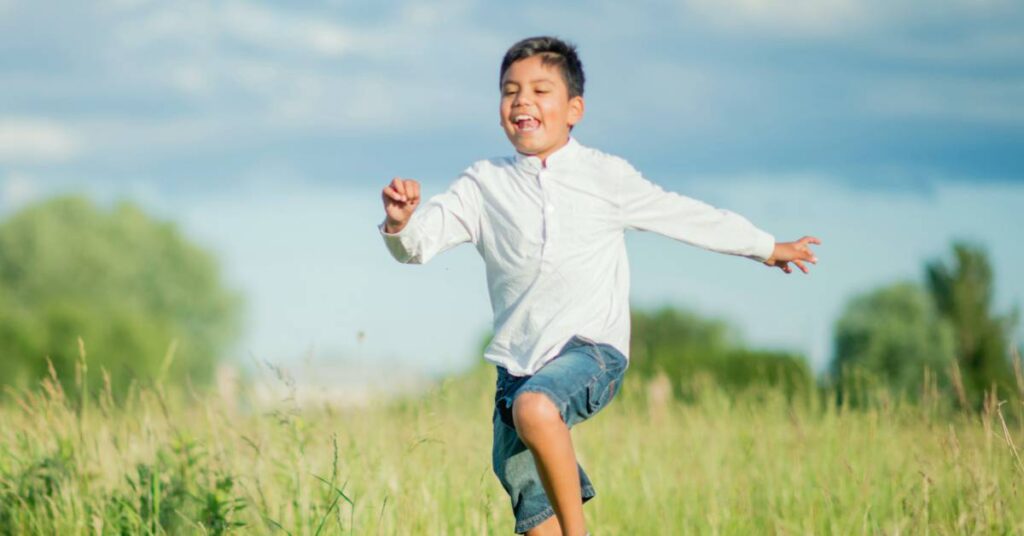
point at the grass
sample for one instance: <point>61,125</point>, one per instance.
<point>167,461</point>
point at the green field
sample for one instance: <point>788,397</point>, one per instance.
<point>165,461</point>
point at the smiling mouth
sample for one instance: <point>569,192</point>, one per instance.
<point>526,123</point>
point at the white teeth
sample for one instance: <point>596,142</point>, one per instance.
<point>522,118</point>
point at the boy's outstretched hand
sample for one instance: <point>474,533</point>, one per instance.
<point>795,252</point>
<point>401,198</point>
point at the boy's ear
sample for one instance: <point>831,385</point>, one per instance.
<point>576,109</point>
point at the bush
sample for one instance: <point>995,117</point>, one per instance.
<point>685,346</point>
<point>892,334</point>
<point>128,285</point>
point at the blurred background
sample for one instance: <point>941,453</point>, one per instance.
<point>186,184</point>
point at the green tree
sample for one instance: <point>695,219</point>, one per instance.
<point>684,345</point>
<point>963,290</point>
<point>892,334</point>
<point>126,284</point>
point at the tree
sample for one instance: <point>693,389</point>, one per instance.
<point>126,284</point>
<point>684,345</point>
<point>892,333</point>
<point>963,291</point>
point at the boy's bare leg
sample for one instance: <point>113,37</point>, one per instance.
<point>549,527</point>
<point>542,430</point>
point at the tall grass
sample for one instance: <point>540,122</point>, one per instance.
<point>168,461</point>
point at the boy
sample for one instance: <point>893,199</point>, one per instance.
<point>549,225</point>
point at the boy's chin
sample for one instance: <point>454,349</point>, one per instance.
<point>524,150</point>
<point>528,149</point>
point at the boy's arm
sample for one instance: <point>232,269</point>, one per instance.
<point>445,220</point>
<point>647,207</point>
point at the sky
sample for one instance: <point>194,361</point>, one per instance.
<point>266,131</point>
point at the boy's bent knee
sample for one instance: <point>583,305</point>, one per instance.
<point>531,410</point>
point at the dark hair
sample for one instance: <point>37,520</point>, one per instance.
<point>553,51</point>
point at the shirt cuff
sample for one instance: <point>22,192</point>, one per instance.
<point>764,246</point>
<point>395,242</point>
<point>381,227</point>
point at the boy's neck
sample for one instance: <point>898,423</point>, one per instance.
<point>544,160</point>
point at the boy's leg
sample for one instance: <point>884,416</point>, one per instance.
<point>549,527</point>
<point>541,428</point>
<point>580,381</point>
<point>516,469</point>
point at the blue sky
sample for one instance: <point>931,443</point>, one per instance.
<point>267,130</point>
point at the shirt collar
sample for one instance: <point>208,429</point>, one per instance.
<point>555,159</point>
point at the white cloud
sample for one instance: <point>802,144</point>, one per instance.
<point>295,80</point>
<point>202,27</point>
<point>197,74</point>
<point>789,18</point>
<point>327,39</point>
<point>190,78</point>
<point>36,140</point>
<point>275,29</point>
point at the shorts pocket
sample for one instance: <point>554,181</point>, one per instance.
<point>601,391</point>
<point>607,356</point>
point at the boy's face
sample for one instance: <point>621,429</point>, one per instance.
<point>536,111</point>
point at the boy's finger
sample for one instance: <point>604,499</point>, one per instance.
<point>399,185</point>
<point>392,194</point>
<point>801,265</point>
<point>414,190</point>
<point>810,240</point>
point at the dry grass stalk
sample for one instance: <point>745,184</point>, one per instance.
<point>958,384</point>
<point>1009,441</point>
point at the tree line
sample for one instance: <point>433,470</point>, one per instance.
<point>942,333</point>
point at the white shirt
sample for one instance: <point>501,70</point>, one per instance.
<point>552,239</point>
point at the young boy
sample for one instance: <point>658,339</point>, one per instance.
<point>549,224</point>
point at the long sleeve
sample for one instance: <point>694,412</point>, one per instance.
<point>441,223</point>
<point>647,207</point>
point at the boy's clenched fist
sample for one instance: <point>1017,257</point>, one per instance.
<point>401,198</point>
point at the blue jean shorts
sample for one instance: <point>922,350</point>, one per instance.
<point>581,380</point>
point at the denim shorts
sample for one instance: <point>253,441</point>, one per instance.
<point>581,380</point>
